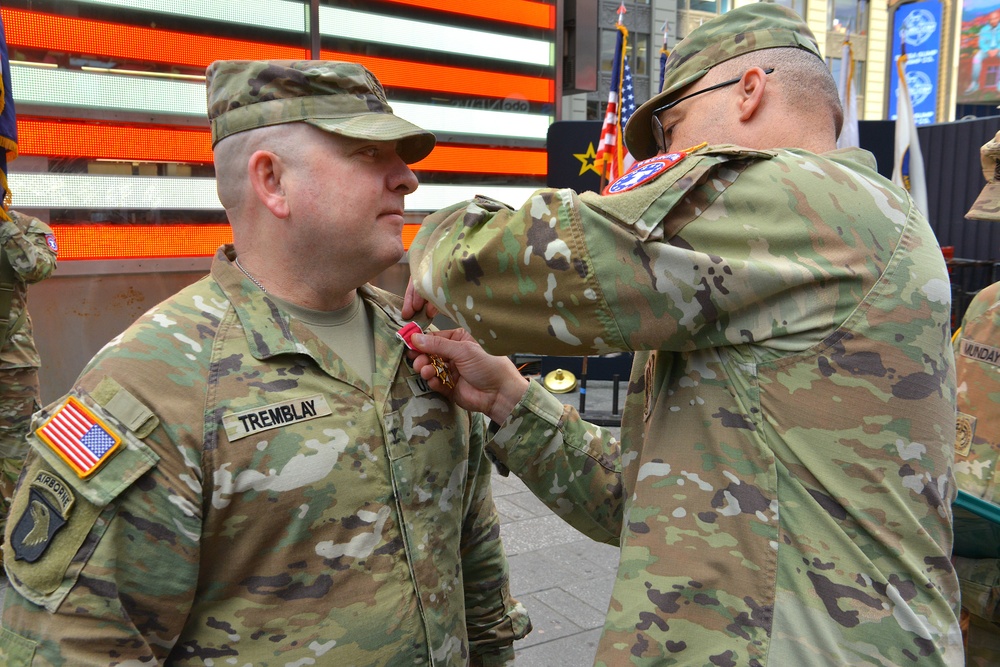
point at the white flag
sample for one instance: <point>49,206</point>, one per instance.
<point>908,162</point>
<point>848,99</point>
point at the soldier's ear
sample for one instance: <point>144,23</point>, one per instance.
<point>265,171</point>
<point>751,89</point>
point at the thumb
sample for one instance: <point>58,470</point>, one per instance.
<point>427,343</point>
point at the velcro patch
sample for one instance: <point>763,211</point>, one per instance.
<point>648,170</point>
<point>418,385</point>
<point>49,503</point>
<point>984,353</point>
<point>241,424</point>
<point>965,430</point>
<point>81,439</point>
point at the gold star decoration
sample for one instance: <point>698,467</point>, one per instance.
<point>587,160</point>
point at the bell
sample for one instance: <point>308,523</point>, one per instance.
<point>560,381</point>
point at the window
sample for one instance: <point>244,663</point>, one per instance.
<point>710,6</point>
<point>638,51</point>
<point>797,6</point>
<point>844,15</point>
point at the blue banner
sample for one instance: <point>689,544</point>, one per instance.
<point>917,27</point>
<point>8,124</point>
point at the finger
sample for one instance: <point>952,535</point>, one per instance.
<point>412,302</point>
<point>441,343</point>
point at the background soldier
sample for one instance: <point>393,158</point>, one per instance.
<point>977,445</point>
<point>28,256</point>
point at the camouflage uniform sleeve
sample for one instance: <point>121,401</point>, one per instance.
<point>644,270</point>
<point>71,601</point>
<point>580,462</point>
<point>493,618</point>
<point>30,247</point>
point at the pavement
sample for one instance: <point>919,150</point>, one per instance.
<point>562,577</point>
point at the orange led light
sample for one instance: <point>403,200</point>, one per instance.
<point>524,12</point>
<point>139,143</point>
<point>95,241</point>
<point>118,242</point>
<point>130,143</point>
<point>446,79</point>
<point>409,232</point>
<point>50,32</point>
<point>460,159</point>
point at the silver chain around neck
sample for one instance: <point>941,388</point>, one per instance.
<point>248,275</point>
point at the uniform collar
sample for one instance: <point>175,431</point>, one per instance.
<point>269,330</point>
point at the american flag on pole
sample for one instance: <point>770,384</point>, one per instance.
<point>80,439</point>
<point>613,160</point>
<point>848,97</point>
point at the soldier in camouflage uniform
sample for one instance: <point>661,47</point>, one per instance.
<point>30,249</point>
<point>252,473</point>
<point>782,489</point>
<point>977,444</point>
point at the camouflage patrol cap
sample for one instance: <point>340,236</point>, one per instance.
<point>337,97</point>
<point>760,25</point>
<point>987,204</point>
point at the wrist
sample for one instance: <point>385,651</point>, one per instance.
<point>508,398</point>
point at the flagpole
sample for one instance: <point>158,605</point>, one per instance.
<point>664,54</point>
<point>619,65</point>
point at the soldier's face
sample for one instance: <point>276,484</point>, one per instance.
<point>349,193</point>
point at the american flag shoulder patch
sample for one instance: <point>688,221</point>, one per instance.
<point>79,437</point>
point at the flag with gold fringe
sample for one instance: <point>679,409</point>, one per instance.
<point>613,160</point>
<point>848,97</point>
<point>664,54</point>
<point>8,124</point>
<point>908,161</point>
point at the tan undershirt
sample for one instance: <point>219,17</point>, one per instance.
<point>347,331</point>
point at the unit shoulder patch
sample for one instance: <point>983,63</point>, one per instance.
<point>645,172</point>
<point>49,503</point>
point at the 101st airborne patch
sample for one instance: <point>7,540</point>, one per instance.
<point>49,503</point>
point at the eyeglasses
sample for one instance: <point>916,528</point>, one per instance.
<point>659,134</point>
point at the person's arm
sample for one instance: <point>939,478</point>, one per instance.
<point>704,256</point>
<point>114,577</point>
<point>571,465</point>
<point>493,618</point>
<point>30,247</point>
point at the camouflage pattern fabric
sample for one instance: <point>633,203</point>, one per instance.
<point>977,451</point>
<point>338,97</point>
<point>782,489</point>
<point>19,399</point>
<point>266,506</point>
<point>31,249</point>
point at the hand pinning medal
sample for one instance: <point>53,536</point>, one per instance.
<point>440,368</point>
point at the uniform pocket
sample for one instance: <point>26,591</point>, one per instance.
<point>15,650</point>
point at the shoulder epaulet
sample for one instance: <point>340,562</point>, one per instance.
<point>646,207</point>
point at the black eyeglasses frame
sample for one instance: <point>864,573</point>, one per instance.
<point>658,129</point>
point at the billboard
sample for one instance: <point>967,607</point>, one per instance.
<point>917,27</point>
<point>979,53</point>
